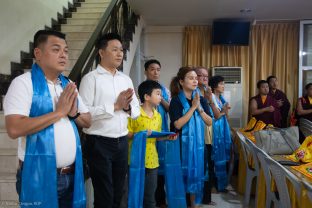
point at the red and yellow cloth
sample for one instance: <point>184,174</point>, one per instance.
<point>303,153</point>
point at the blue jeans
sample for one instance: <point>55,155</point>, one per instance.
<point>65,188</point>
<point>150,188</point>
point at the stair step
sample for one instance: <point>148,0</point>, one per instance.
<point>77,35</point>
<point>8,160</point>
<point>2,119</point>
<point>6,142</point>
<point>7,152</point>
<point>97,1</point>
<point>81,21</point>
<point>87,15</point>
<point>76,44</point>
<point>90,10</point>
<point>71,64</point>
<point>77,28</point>
<point>8,195</point>
<point>7,177</point>
<point>74,54</point>
<point>94,5</point>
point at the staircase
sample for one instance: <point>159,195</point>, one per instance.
<point>79,23</point>
<point>78,26</point>
<point>8,166</point>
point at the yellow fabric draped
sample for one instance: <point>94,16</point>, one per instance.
<point>273,50</point>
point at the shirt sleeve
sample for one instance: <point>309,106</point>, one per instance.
<point>18,98</point>
<point>175,112</point>
<point>87,93</point>
<point>159,123</point>
<point>130,125</point>
<point>135,105</point>
<point>82,108</point>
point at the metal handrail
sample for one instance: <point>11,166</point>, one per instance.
<point>117,18</point>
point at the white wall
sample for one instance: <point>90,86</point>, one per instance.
<point>19,20</point>
<point>163,43</point>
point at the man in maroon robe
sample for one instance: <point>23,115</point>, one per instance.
<point>281,99</point>
<point>304,104</point>
<point>264,107</point>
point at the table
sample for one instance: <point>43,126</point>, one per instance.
<point>296,202</point>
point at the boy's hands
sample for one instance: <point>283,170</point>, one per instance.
<point>149,132</point>
<point>173,137</point>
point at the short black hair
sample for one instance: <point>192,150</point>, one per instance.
<point>270,77</point>
<point>261,82</point>
<point>146,88</point>
<point>41,36</point>
<point>308,86</point>
<point>151,61</point>
<point>103,40</point>
<point>214,81</point>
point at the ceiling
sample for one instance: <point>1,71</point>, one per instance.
<point>202,12</point>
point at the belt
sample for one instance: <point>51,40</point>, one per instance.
<point>113,140</point>
<point>65,170</point>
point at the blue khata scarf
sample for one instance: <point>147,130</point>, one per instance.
<point>175,191</point>
<point>221,147</point>
<point>212,117</point>
<point>192,151</point>
<point>137,167</point>
<point>161,145</point>
<point>39,183</point>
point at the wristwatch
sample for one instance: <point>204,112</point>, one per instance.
<point>127,110</point>
<point>75,116</point>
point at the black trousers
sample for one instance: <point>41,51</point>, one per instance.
<point>108,161</point>
<point>160,194</point>
<point>208,184</point>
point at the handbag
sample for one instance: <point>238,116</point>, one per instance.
<point>278,141</point>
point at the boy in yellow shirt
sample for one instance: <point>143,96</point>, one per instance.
<point>149,119</point>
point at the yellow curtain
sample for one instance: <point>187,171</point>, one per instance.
<point>273,50</point>
<point>196,46</point>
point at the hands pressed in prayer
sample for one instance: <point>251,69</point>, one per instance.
<point>196,101</point>
<point>124,99</point>
<point>208,94</point>
<point>67,99</point>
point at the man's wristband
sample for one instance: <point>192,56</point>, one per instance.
<point>74,117</point>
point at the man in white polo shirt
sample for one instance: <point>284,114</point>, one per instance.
<point>110,97</point>
<point>41,108</point>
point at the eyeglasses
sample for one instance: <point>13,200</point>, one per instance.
<point>204,76</point>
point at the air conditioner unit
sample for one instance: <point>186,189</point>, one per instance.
<point>232,92</point>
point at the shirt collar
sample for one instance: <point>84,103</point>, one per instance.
<point>145,115</point>
<point>58,81</point>
<point>102,70</point>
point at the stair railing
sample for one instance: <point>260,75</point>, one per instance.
<point>118,18</point>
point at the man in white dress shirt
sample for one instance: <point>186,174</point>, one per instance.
<point>51,55</point>
<point>110,98</point>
